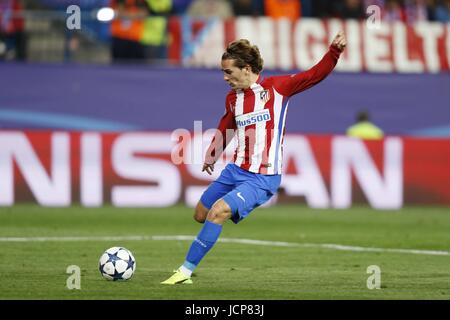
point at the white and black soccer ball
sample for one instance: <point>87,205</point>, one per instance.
<point>117,263</point>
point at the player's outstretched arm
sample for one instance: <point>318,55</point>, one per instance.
<point>290,85</point>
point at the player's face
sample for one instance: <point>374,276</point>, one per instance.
<point>236,77</point>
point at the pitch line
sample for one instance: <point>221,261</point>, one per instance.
<point>330,246</point>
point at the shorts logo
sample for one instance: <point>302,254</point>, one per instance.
<point>248,119</point>
<point>240,196</point>
<point>264,95</point>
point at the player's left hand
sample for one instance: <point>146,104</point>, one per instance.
<point>209,168</point>
<point>340,41</point>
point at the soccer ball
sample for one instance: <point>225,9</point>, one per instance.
<point>117,263</point>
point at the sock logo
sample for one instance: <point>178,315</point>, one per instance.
<point>200,243</point>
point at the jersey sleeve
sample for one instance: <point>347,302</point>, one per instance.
<point>224,134</point>
<point>290,85</point>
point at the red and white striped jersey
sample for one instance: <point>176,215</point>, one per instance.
<point>258,116</point>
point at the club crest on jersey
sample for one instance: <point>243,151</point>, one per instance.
<point>264,95</point>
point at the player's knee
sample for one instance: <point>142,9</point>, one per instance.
<point>199,217</point>
<point>200,213</point>
<point>219,212</point>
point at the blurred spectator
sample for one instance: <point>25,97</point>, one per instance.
<point>127,29</point>
<point>431,7</point>
<point>63,4</point>
<point>393,11</point>
<point>443,11</point>
<point>415,10</point>
<point>379,3</point>
<point>247,7</point>
<point>155,28</point>
<point>307,8</point>
<point>12,30</point>
<point>351,9</point>
<point>363,128</point>
<point>276,9</point>
<point>211,8</point>
<point>323,8</point>
<point>181,6</point>
<point>139,30</point>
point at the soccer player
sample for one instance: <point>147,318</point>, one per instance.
<point>256,109</point>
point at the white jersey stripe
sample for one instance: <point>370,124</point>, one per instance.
<point>280,148</point>
<point>260,133</point>
<point>239,109</point>
<point>277,104</point>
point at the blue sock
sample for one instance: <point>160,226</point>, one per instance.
<point>205,240</point>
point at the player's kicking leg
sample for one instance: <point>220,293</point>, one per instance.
<point>205,240</point>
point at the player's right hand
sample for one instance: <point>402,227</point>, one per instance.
<point>209,168</point>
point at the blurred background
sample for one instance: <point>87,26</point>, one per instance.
<point>116,66</point>
<point>397,59</point>
<point>149,32</point>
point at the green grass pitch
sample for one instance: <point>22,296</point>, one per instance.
<point>37,269</point>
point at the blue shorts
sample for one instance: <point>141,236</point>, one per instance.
<point>242,190</point>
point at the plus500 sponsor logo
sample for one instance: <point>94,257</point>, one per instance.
<point>252,118</point>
